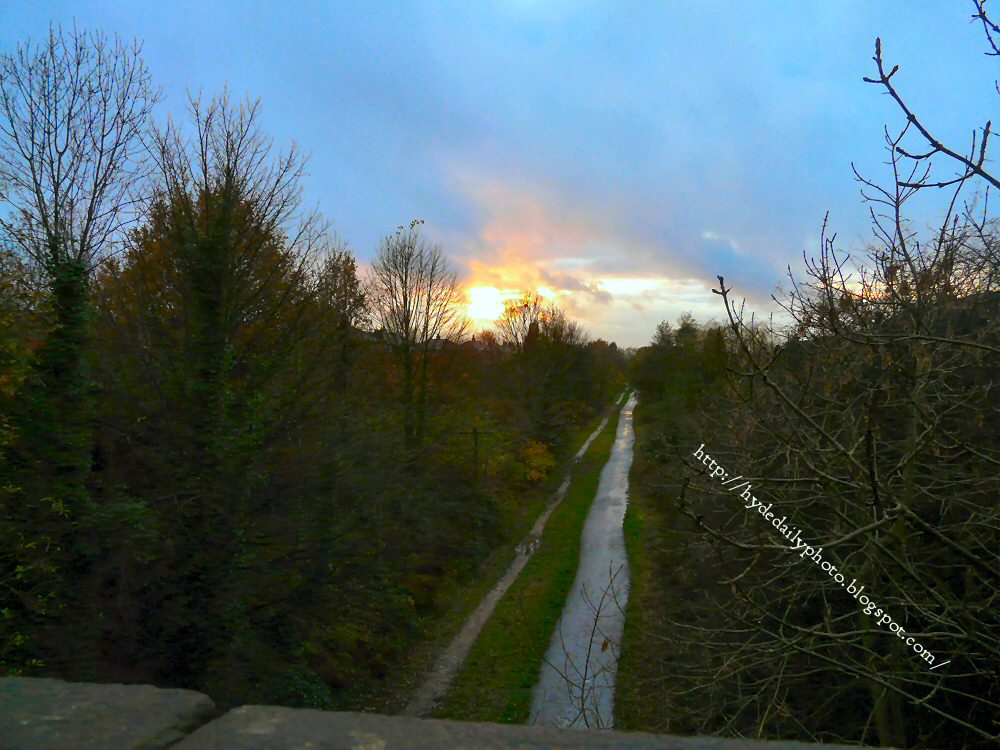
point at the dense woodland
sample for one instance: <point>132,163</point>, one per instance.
<point>868,417</point>
<point>230,460</point>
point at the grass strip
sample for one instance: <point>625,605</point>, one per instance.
<point>504,663</point>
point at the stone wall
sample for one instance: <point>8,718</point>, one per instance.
<point>41,714</point>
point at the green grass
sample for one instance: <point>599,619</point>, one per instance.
<point>495,682</point>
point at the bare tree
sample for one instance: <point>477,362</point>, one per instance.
<point>72,112</point>
<point>528,318</point>
<point>417,303</point>
<point>73,109</point>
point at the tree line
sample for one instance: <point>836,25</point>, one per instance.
<point>230,460</point>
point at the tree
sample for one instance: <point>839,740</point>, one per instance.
<point>340,293</point>
<point>553,373</point>
<point>417,303</point>
<point>339,288</point>
<point>688,331</point>
<point>520,314</point>
<point>24,568</point>
<point>215,364</point>
<point>664,334</point>
<point>72,112</point>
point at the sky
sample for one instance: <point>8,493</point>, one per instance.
<point>615,156</point>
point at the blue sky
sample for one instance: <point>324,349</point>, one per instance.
<point>617,155</point>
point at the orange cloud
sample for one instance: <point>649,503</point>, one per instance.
<point>580,258</point>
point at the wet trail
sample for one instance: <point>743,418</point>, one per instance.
<point>576,685</point>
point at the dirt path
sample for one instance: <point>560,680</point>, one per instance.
<point>439,680</point>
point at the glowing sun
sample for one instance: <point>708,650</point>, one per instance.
<point>485,304</point>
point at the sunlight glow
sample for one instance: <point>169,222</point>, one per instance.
<point>485,304</point>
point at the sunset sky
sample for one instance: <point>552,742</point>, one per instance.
<point>615,156</point>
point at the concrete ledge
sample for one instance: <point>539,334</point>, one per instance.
<point>42,714</point>
<point>270,728</point>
